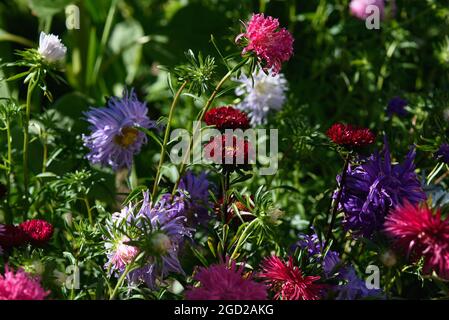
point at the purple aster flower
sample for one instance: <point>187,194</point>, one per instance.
<point>114,138</point>
<point>376,186</point>
<point>226,281</point>
<point>165,229</point>
<point>397,106</point>
<point>355,288</point>
<point>443,153</point>
<point>198,203</point>
<point>312,244</point>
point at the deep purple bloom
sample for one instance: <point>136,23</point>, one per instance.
<point>168,230</point>
<point>312,244</point>
<point>226,281</point>
<point>355,288</point>
<point>376,186</point>
<point>198,203</point>
<point>114,138</point>
<point>397,106</point>
<point>443,153</point>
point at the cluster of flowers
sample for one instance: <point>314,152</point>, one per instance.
<point>36,232</point>
<point>143,241</point>
<point>20,285</point>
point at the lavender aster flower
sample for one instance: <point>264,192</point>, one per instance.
<point>442,153</point>
<point>197,188</point>
<point>114,139</point>
<point>262,93</point>
<point>376,186</point>
<point>355,288</point>
<point>161,228</point>
<point>312,244</point>
<point>397,106</point>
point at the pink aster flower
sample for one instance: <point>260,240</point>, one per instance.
<point>20,286</point>
<point>421,234</point>
<point>123,255</point>
<point>288,281</point>
<point>271,44</point>
<point>225,282</point>
<point>362,9</point>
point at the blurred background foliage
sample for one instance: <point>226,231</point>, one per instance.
<point>341,71</point>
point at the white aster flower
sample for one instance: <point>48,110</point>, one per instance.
<point>51,48</point>
<point>260,94</point>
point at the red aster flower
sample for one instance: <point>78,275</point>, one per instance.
<point>421,234</point>
<point>232,155</point>
<point>288,282</point>
<point>226,118</point>
<point>347,135</point>
<point>11,236</point>
<point>38,231</point>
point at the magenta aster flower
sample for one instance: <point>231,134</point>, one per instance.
<point>288,281</point>
<point>20,286</point>
<point>114,138</point>
<point>420,233</point>
<point>271,44</point>
<point>226,281</point>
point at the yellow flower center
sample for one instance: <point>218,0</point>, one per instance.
<point>129,136</point>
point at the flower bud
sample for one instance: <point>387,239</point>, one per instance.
<point>388,258</point>
<point>161,243</point>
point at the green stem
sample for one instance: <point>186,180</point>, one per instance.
<point>8,212</point>
<point>26,140</point>
<point>89,210</point>
<point>104,39</point>
<point>166,137</point>
<point>45,155</point>
<point>201,116</point>
<point>121,279</point>
<point>337,202</point>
